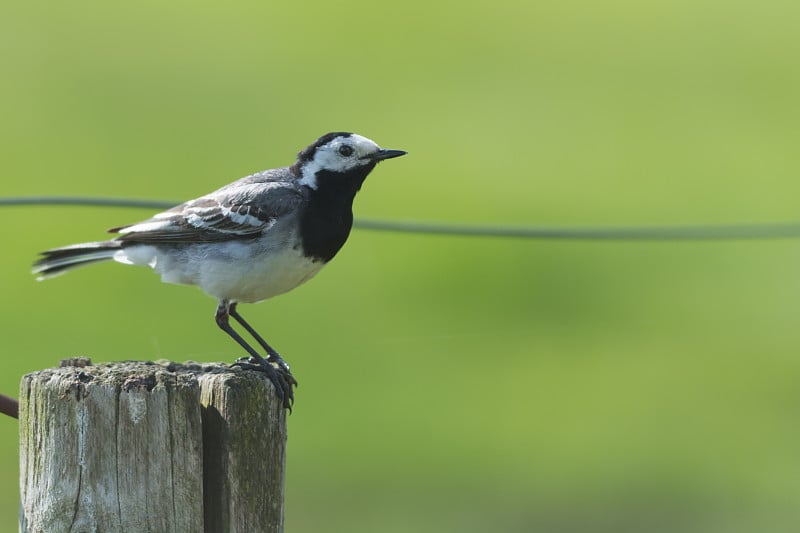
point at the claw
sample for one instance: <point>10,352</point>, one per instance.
<point>282,380</point>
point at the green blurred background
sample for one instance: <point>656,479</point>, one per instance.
<point>447,384</point>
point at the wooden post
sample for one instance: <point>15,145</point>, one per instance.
<point>150,447</point>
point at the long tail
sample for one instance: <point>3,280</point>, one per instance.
<point>59,260</point>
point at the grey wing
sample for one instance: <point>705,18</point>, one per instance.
<point>234,212</point>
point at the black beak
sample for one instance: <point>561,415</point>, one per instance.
<point>382,154</point>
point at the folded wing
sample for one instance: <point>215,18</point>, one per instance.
<point>232,213</point>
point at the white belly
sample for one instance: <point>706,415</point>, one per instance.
<point>238,271</point>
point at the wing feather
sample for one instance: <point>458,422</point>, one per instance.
<point>239,211</point>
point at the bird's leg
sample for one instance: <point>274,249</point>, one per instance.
<point>274,356</point>
<point>281,378</point>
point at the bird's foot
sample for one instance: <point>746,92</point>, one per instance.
<point>277,372</point>
<point>275,359</point>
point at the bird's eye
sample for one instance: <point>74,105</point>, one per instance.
<point>346,150</point>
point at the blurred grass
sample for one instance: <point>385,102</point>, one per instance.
<point>448,384</point>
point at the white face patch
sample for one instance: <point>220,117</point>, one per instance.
<point>334,156</point>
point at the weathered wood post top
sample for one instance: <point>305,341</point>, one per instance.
<point>150,447</point>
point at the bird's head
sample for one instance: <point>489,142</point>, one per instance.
<point>341,154</point>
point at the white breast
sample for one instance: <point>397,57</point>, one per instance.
<point>241,271</point>
<point>257,278</point>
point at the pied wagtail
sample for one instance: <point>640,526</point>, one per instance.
<point>255,238</point>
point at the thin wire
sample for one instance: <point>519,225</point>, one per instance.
<point>86,201</point>
<point>787,230</point>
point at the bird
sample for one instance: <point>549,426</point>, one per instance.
<point>255,238</point>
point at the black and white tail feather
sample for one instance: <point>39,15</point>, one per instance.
<point>59,260</point>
